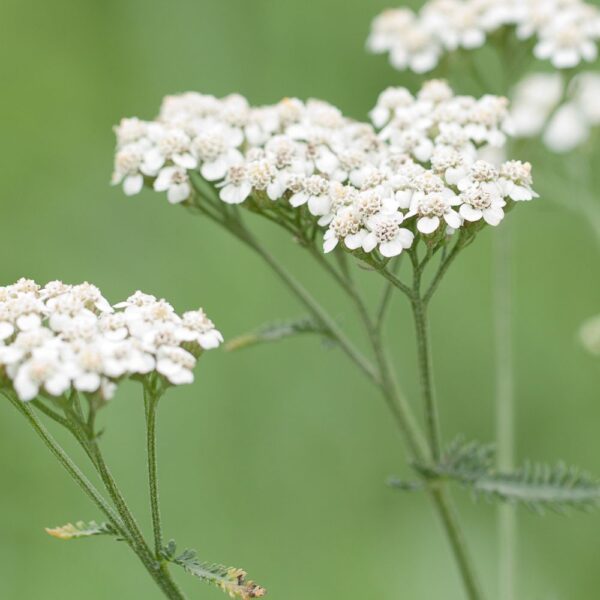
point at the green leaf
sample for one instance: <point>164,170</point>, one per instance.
<point>80,530</point>
<point>274,332</point>
<point>535,485</point>
<point>229,579</point>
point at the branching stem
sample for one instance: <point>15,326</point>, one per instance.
<point>119,522</point>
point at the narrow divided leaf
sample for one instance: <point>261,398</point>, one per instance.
<point>80,530</point>
<point>535,485</point>
<point>274,332</point>
<point>229,579</point>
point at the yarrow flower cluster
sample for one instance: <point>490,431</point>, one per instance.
<point>565,32</point>
<point>416,170</point>
<point>61,337</point>
<point>565,117</point>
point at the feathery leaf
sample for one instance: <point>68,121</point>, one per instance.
<point>537,486</point>
<point>229,579</point>
<point>81,529</point>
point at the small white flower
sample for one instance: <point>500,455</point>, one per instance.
<point>385,233</point>
<point>197,327</point>
<point>170,145</point>
<point>176,364</point>
<point>434,207</point>
<point>516,181</point>
<point>43,371</point>
<point>481,202</point>
<point>344,226</point>
<point>236,187</point>
<point>216,148</point>
<point>127,169</point>
<point>175,181</point>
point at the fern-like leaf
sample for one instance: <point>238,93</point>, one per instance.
<point>274,332</point>
<point>229,579</point>
<point>537,486</point>
<point>81,529</point>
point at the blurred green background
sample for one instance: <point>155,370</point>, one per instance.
<point>276,459</point>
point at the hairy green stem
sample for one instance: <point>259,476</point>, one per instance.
<point>432,419</point>
<point>504,400</point>
<point>381,377</point>
<point>72,469</point>
<point>117,521</point>
<point>438,492</point>
<point>161,574</point>
<point>151,404</point>
<point>447,513</point>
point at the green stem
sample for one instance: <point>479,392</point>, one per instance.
<point>424,360</point>
<point>439,495</point>
<point>151,404</point>
<point>91,492</point>
<point>381,377</point>
<point>72,469</point>
<point>504,400</point>
<point>447,513</point>
<point>161,574</point>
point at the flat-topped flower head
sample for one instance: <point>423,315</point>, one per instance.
<point>565,32</point>
<point>375,188</point>
<point>62,337</point>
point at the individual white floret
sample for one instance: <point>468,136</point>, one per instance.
<point>175,181</point>
<point>384,232</point>
<point>433,209</point>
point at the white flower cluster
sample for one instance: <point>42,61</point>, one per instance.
<point>565,32</point>
<point>417,168</point>
<point>565,116</point>
<point>61,337</point>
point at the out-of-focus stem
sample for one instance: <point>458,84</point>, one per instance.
<point>504,401</point>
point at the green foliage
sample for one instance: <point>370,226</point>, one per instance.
<point>229,579</point>
<point>81,529</point>
<point>535,485</point>
<point>274,332</point>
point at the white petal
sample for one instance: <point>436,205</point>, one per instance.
<point>178,193</point>
<point>470,213</point>
<point>452,218</point>
<point>6,330</point>
<point>28,322</point>
<point>428,224</point>
<point>369,242</point>
<point>329,244</point>
<point>319,205</point>
<point>299,199</point>
<point>26,389</point>
<point>393,248</point>
<point>133,184</point>
<point>213,171</point>
<point>406,237</point>
<point>88,382</point>
<point>355,240</point>
<point>493,216</point>
<point>232,194</point>
<point>327,162</point>
<point>186,161</point>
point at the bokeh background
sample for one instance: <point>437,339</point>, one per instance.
<point>276,459</point>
